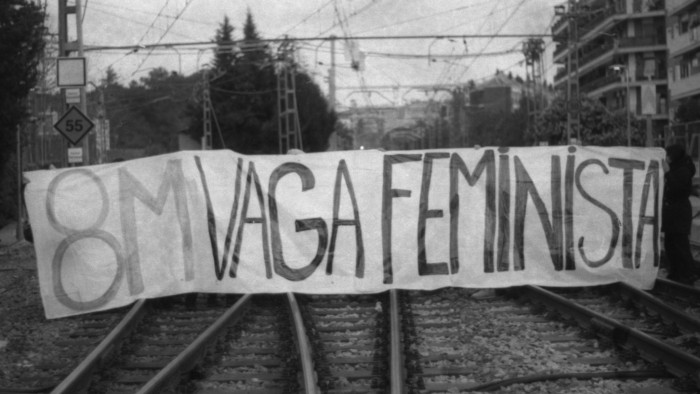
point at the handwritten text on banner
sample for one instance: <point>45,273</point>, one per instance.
<point>344,222</point>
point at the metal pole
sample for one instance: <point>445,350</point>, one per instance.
<point>20,214</point>
<point>576,70</point>
<point>568,88</point>
<point>83,96</point>
<point>179,61</point>
<point>629,128</point>
<point>331,77</point>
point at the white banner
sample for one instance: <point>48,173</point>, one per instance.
<point>344,222</point>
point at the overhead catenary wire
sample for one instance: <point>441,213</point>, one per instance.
<point>154,21</point>
<point>82,17</point>
<point>120,7</point>
<point>213,44</point>
<point>317,11</point>
<point>187,4</point>
<point>434,16</point>
<point>443,76</point>
<point>422,17</point>
<point>135,22</point>
<point>498,31</point>
<point>154,49</point>
<point>355,13</point>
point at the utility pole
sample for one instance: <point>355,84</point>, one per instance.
<point>20,212</point>
<point>457,135</point>
<point>102,137</point>
<point>533,49</point>
<point>206,114</point>
<point>573,106</point>
<point>65,48</point>
<point>331,76</point>
<point>288,116</point>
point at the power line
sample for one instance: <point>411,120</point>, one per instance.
<point>326,38</point>
<point>428,16</point>
<point>132,21</point>
<point>318,10</point>
<point>355,13</point>
<point>187,4</point>
<point>131,11</point>
<point>499,29</point>
<point>447,71</point>
<point>154,21</point>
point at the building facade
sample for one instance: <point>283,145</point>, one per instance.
<point>683,35</point>
<point>616,51</point>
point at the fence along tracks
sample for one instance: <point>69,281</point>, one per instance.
<point>418,342</point>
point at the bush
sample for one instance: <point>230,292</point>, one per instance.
<point>8,192</point>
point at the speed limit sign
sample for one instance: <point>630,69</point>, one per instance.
<point>74,125</point>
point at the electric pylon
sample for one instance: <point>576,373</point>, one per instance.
<point>206,113</point>
<point>533,49</point>
<point>288,119</point>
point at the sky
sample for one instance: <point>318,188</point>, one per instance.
<point>395,69</point>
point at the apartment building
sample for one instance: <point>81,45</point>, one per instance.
<point>615,51</point>
<point>683,35</point>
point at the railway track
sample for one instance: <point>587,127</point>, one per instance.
<point>78,337</point>
<point>256,355</point>
<point>679,296</point>
<point>527,339</point>
<point>256,345</point>
<point>146,341</point>
<point>350,342</point>
<point>532,340</point>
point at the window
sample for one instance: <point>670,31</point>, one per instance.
<point>685,69</point>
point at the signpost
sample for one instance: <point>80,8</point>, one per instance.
<point>75,155</point>
<point>74,125</point>
<point>649,109</point>
<point>71,72</point>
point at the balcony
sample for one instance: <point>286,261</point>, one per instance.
<point>559,24</point>
<point>651,5</point>
<point>598,16</point>
<point>684,87</point>
<point>590,86</point>
<point>681,42</point>
<point>644,41</point>
<point>676,6</point>
<point>560,48</point>
<point>560,74</point>
<point>595,53</point>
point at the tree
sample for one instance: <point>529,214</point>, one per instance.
<point>111,78</point>
<point>21,47</point>
<point>225,56</point>
<point>243,86</point>
<point>316,122</point>
<point>496,128</point>
<point>598,126</point>
<point>688,111</point>
<point>149,113</point>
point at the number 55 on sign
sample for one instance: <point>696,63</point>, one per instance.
<point>74,125</point>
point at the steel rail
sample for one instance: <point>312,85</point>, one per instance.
<point>304,348</point>
<point>398,378</point>
<point>677,362</point>
<point>677,288</point>
<point>188,358</point>
<point>668,312</point>
<point>81,375</point>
